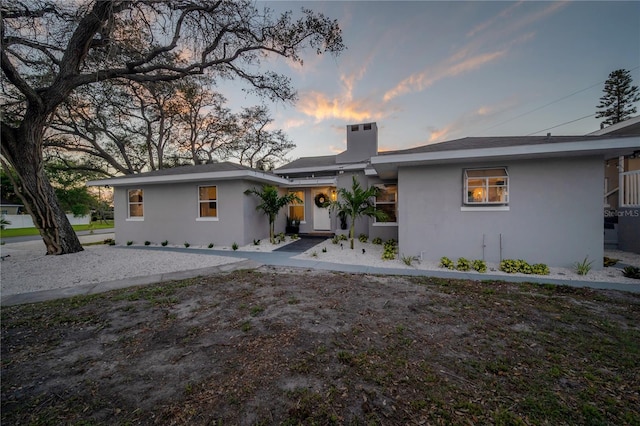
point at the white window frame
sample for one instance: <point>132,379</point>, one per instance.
<point>208,218</point>
<point>296,204</point>
<point>484,204</point>
<point>395,203</point>
<point>130,203</point>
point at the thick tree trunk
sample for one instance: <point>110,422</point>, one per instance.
<point>22,147</point>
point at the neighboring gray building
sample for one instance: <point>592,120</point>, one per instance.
<point>535,198</point>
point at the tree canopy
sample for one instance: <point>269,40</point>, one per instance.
<point>51,49</point>
<point>617,103</point>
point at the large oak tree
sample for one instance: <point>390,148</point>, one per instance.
<point>51,48</point>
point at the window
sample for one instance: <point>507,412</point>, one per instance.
<point>366,127</point>
<point>136,205</point>
<point>296,209</point>
<point>208,201</point>
<point>486,186</point>
<point>387,201</point>
<point>355,127</point>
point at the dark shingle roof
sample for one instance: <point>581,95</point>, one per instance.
<point>189,169</point>
<point>305,162</point>
<point>491,142</point>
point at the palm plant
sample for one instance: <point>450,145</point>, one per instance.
<point>271,204</point>
<point>355,203</point>
<point>4,222</point>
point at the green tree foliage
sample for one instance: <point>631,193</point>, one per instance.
<point>355,203</point>
<point>68,181</point>
<point>6,187</point>
<point>617,103</point>
<point>271,202</point>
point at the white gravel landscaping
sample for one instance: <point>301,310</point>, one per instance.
<point>335,253</point>
<point>28,269</point>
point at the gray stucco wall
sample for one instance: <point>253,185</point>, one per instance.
<point>554,217</point>
<point>171,210</point>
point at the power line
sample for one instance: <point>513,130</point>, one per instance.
<point>562,124</point>
<point>551,103</point>
<point>545,105</point>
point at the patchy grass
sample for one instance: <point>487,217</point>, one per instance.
<point>288,347</point>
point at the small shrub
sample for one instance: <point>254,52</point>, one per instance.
<point>525,268</point>
<point>445,262</point>
<point>234,246</point>
<point>294,237</point>
<point>335,239</point>
<point>609,261</point>
<point>511,266</point>
<point>377,240</point>
<point>281,238</point>
<point>112,242</point>
<point>314,254</point>
<point>107,241</point>
<point>479,266</point>
<point>631,272</point>
<point>390,250</point>
<point>256,242</point>
<point>147,243</point>
<point>324,249</point>
<point>540,269</point>
<point>164,243</point>
<point>186,244</point>
<point>343,237</point>
<point>408,260</point>
<point>463,264</point>
<point>583,268</point>
<point>210,245</point>
<point>129,243</point>
<point>363,238</point>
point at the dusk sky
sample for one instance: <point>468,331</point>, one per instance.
<point>433,71</point>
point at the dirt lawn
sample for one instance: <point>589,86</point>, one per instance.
<point>283,346</point>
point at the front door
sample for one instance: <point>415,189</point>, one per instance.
<point>321,218</point>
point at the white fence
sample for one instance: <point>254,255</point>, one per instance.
<point>630,189</point>
<point>25,221</point>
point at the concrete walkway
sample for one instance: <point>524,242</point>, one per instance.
<point>252,260</point>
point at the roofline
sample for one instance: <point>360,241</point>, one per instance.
<point>303,182</point>
<point>617,126</point>
<point>337,167</point>
<point>596,146</point>
<point>191,177</point>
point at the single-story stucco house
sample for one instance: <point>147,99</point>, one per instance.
<point>534,198</point>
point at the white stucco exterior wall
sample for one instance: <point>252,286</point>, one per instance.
<point>554,217</point>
